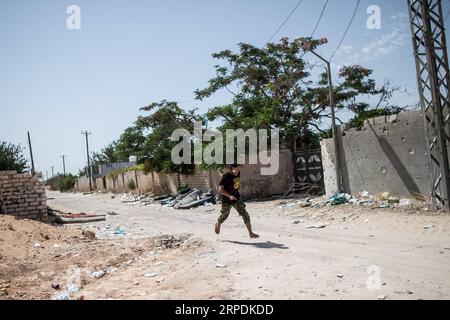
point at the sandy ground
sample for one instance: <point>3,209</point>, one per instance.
<point>361,253</point>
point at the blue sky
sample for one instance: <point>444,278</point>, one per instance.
<point>56,82</point>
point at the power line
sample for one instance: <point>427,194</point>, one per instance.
<point>346,31</point>
<point>318,22</point>
<point>320,18</point>
<point>284,22</point>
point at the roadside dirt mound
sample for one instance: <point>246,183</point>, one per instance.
<point>40,261</point>
<point>19,238</point>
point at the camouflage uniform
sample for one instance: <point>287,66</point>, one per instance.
<point>239,206</point>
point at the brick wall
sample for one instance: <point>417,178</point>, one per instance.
<point>23,195</point>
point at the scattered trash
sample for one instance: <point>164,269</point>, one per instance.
<point>72,288</point>
<point>112,213</point>
<point>429,226</point>
<point>385,196</point>
<point>220,265</point>
<point>112,270</point>
<point>297,221</point>
<point>97,274</point>
<point>382,297</point>
<point>56,286</point>
<point>57,246</point>
<point>61,296</point>
<point>340,275</point>
<point>120,231</point>
<point>364,194</point>
<point>150,275</point>
<point>317,226</point>
<point>159,263</point>
<point>405,202</point>
<point>136,283</point>
<point>37,245</point>
<point>3,292</point>
<point>409,292</point>
<point>393,200</point>
<point>210,210</point>
<point>339,198</point>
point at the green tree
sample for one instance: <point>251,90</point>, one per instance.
<point>107,155</point>
<point>130,143</point>
<point>164,118</point>
<point>274,89</point>
<point>11,158</point>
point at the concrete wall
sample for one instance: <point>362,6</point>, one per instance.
<point>387,154</point>
<point>23,195</point>
<point>252,182</point>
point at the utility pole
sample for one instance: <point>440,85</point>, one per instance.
<point>31,154</point>
<point>87,134</point>
<point>337,151</point>
<point>46,175</point>
<point>53,171</point>
<point>432,67</point>
<point>64,164</point>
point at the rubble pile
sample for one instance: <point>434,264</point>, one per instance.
<point>184,199</point>
<point>176,241</point>
<point>385,200</point>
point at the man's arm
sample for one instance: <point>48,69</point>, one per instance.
<point>226,194</point>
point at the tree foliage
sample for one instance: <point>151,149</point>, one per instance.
<point>162,120</point>
<point>11,158</point>
<point>275,89</point>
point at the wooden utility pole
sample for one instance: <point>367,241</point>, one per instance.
<point>89,171</point>
<point>31,154</point>
<point>64,164</point>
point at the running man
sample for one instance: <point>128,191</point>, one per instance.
<point>229,189</point>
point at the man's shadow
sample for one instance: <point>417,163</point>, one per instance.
<point>260,245</point>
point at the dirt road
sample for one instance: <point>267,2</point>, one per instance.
<point>354,253</point>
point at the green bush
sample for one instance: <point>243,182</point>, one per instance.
<point>131,185</point>
<point>66,183</point>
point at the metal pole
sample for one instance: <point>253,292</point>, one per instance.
<point>31,154</point>
<point>432,66</point>
<point>337,150</point>
<point>53,172</point>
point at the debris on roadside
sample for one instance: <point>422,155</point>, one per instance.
<point>318,226</point>
<point>185,198</point>
<point>98,274</point>
<point>384,200</point>
<point>150,274</point>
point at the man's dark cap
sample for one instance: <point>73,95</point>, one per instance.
<point>234,165</point>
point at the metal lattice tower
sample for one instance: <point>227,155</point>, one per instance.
<point>430,51</point>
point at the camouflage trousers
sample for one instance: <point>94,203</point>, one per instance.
<point>240,208</point>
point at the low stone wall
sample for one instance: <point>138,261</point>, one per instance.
<point>23,195</point>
